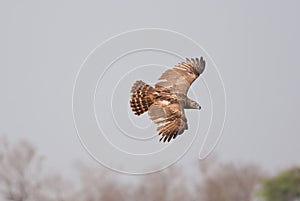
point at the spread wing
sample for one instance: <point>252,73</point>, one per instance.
<point>169,116</point>
<point>179,79</point>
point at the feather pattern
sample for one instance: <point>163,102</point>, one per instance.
<point>166,101</point>
<point>179,79</point>
<point>169,117</point>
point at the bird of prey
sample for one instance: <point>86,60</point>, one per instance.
<point>166,101</point>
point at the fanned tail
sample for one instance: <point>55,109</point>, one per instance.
<point>141,97</point>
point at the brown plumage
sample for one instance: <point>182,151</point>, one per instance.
<point>168,99</point>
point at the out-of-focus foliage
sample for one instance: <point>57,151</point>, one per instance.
<point>97,184</point>
<point>229,182</point>
<point>21,175</point>
<point>283,187</point>
<point>22,179</point>
<point>19,171</point>
<point>170,185</point>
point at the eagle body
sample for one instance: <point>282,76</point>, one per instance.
<point>166,101</point>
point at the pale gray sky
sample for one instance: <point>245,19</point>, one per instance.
<point>255,45</point>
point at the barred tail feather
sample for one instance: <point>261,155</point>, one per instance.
<point>141,97</point>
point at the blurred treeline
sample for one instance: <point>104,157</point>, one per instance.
<point>23,178</point>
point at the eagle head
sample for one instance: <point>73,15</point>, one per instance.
<point>192,105</point>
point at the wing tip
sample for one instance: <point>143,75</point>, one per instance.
<point>199,64</point>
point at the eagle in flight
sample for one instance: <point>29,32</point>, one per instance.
<point>166,101</point>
